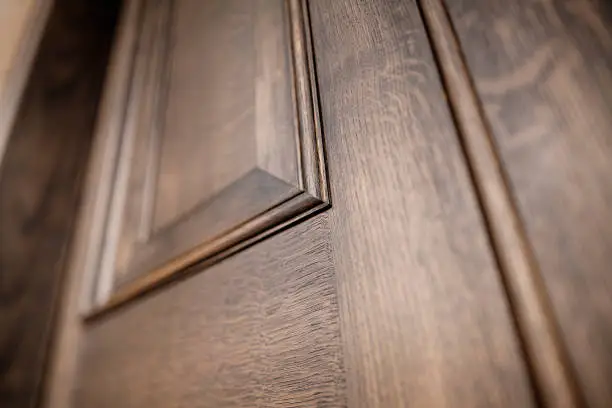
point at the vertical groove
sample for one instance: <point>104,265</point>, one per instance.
<point>547,360</point>
<point>128,134</point>
<point>313,178</point>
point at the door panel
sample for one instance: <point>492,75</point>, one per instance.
<point>390,298</point>
<point>425,318</point>
<point>258,329</point>
<point>219,143</point>
<point>543,71</point>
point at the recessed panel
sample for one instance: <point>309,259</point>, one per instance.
<point>208,139</point>
<point>220,143</point>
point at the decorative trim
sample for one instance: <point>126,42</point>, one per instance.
<point>247,234</point>
<point>312,196</point>
<point>547,360</point>
<point>313,177</point>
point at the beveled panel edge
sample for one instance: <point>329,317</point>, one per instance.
<point>257,189</point>
<point>262,226</point>
<point>314,195</point>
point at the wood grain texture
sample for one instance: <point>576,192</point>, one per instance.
<point>40,183</point>
<point>208,140</point>
<point>543,71</point>
<point>254,193</point>
<point>258,329</point>
<point>530,303</point>
<point>425,320</point>
<point>280,104</point>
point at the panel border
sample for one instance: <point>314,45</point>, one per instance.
<point>313,194</point>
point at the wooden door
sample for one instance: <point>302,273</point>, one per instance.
<point>293,203</point>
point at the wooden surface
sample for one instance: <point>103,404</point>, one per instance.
<point>81,269</point>
<point>536,325</point>
<point>543,71</point>
<point>208,142</point>
<point>259,329</point>
<point>228,86</point>
<point>464,261</point>
<point>40,181</point>
<point>254,193</point>
<point>229,101</point>
<point>425,320</point>
<point>22,23</point>
<point>221,131</point>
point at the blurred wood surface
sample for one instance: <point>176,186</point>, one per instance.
<point>543,72</point>
<point>425,319</point>
<point>40,184</point>
<point>22,23</point>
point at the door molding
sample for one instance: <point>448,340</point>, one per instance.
<point>130,255</point>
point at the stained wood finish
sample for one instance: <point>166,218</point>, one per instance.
<point>425,319</point>
<point>536,324</point>
<point>543,71</point>
<point>258,329</point>
<point>40,184</point>
<point>92,216</point>
<point>229,101</point>
<point>220,143</point>
<point>403,293</point>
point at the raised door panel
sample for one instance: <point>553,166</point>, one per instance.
<point>219,141</point>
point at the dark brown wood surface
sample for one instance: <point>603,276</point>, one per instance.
<point>425,320</point>
<point>229,101</point>
<point>536,325</point>
<point>543,71</point>
<point>220,143</point>
<point>208,142</point>
<point>259,329</point>
<point>421,285</point>
<point>400,266</point>
<point>40,181</point>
